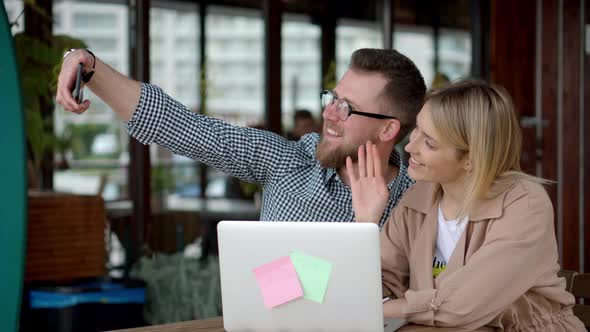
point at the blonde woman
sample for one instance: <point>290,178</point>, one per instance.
<point>472,243</point>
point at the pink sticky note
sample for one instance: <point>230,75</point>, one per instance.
<point>278,282</point>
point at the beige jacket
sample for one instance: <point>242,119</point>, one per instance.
<point>503,271</point>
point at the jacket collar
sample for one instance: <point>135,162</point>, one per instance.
<point>421,198</point>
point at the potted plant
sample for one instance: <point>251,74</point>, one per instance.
<point>39,65</point>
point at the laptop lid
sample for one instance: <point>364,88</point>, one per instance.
<point>352,295</point>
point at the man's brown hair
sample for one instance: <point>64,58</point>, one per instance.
<point>403,95</point>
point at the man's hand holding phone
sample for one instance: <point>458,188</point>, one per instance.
<point>70,81</point>
<point>78,92</point>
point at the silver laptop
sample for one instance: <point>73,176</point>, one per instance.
<point>352,297</point>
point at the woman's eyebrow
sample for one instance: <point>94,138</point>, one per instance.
<point>424,133</point>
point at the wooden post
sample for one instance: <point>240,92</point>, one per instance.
<point>273,11</point>
<point>39,25</point>
<point>139,167</point>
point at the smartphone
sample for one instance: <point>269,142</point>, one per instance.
<point>78,89</point>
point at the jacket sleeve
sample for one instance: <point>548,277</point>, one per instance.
<point>394,259</point>
<point>517,250</point>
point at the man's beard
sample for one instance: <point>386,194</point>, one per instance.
<point>335,157</point>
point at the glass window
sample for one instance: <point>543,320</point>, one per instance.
<point>455,53</point>
<point>175,67</point>
<point>92,21</point>
<point>234,47</point>
<point>108,44</point>
<point>235,80</point>
<point>94,143</point>
<point>174,50</point>
<point>352,35</point>
<point>16,17</point>
<point>301,72</point>
<point>417,43</point>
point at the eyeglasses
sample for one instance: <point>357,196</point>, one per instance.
<point>343,108</point>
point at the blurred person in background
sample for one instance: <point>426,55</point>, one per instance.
<point>303,123</point>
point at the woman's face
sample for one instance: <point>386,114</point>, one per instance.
<point>431,158</point>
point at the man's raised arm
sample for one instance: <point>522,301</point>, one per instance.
<point>116,90</point>
<point>153,117</point>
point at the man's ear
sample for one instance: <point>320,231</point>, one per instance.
<point>390,130</point>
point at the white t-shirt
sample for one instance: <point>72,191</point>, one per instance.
<point>449,233</point>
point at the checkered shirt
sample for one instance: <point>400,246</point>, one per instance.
<point>295,186</point>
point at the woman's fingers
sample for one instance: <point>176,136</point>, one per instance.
<point>370,163</point>
<point>377,161</point>
<point>362,162</point>
<point>350,169</point>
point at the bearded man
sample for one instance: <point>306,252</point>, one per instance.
<point>376,101</point>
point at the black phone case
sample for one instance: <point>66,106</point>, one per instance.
<point>77,93</point>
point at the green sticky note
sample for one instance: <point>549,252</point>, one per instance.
<point>314,274</point>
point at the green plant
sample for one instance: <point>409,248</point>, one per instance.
<point>249,188</point>
<point>162,179</point>
<point>203,87</point>
<point>79,138</point>
<point>39,65</point>
<point>329,80</point>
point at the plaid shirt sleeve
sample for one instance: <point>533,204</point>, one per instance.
<point>250,154</point>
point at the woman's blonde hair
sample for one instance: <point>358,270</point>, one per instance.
<point>479,120</point>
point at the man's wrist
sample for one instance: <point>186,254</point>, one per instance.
<point>72,50</point>
<point>87,75</point>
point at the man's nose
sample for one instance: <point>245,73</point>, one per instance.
<point>330,112</point>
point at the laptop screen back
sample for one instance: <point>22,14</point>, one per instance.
<point>351,296</point>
